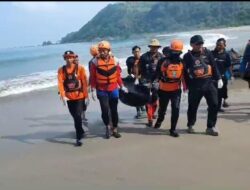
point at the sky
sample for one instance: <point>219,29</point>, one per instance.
<point>31,23</point>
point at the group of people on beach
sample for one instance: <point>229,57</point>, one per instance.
<point>200,73</point>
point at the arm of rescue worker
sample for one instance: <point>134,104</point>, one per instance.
<point>119,79</point>
<point>60,80</point>
<point>141,65</point>
<point>228,61</point>
<point>84,80</point>
<point>129,65</point>
<point>186,60</point>
<point>158,69</point>
<point>215,71</point>
<point>93,76</point>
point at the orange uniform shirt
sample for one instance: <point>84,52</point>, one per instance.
<point>81,75</point>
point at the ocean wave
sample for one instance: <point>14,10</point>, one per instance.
<point>35,81</point>
<point>27,83</point>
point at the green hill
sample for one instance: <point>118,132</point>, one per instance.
<point>121,20</point>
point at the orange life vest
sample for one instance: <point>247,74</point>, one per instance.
<point>106,72</point>
<point>172,74</point>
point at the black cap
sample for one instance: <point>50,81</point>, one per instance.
<point>196,39</point>
<point>166,50</point>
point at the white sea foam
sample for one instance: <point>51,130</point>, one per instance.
<point>34,81</point>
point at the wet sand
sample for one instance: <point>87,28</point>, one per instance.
<point>37,151</point>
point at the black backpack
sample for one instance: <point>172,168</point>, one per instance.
<point>71,83</point>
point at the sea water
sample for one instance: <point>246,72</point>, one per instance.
<point>25,69</point>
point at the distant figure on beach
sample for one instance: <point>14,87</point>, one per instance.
<point>200,69</point>
<point>223,62</point>
<point>106,78</point>
<point>171,78</point>
<point>132,63</point>
<point>147,70</point>
<point>245,64</point>
<point>72,85</point>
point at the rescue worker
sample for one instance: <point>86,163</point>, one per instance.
<point>171,78</point>
<point>147,70</point>
<point>223,61</point>
<point>72,86</point>
<point>132,63</point>
<point>105,78</point>
<point>200,69</point>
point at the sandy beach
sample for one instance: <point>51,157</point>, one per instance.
<point>37,151</point>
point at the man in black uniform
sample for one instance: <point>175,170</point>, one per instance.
<point>147,69</point>
<point>223,62</point>
<point>132,63</point>
<point>200,70</point>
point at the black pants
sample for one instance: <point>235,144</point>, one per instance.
<point>75,109</point>
<point>222,93</point>
<point>138,109</point>
<point>195,95</point>
<point>175,98</point>
<point>84,106</point>
<point>109,104</point>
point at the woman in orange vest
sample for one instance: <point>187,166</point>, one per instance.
<point>72,85</point>
<point>105,78</point>
<point>171,77</point>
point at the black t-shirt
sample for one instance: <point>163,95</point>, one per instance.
<point>208,58</point>
<point>222,60</point>
<point>148,65</point>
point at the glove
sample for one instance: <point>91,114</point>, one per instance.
<point>220,83</point>
<point>87,101</point>
<point>136,81</point>
<point>132,75</point>
<point>124,89</point>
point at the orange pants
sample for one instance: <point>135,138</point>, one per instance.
<point>151,108</point>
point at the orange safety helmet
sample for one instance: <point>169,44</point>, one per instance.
<point>176,45</point>
<point>104,45</point>
<point>94,50</point>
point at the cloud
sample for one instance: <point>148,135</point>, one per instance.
<point>36,6</point>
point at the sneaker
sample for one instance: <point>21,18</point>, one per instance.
<point>225,104</point>
<point>212,131</point>
<point>157,125</point>
<point>149,124</point>
<point>116,134</point>
<point>78,143</point>
<point>190,129</point>
<point>173,133</point>
<point>107,134</point>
